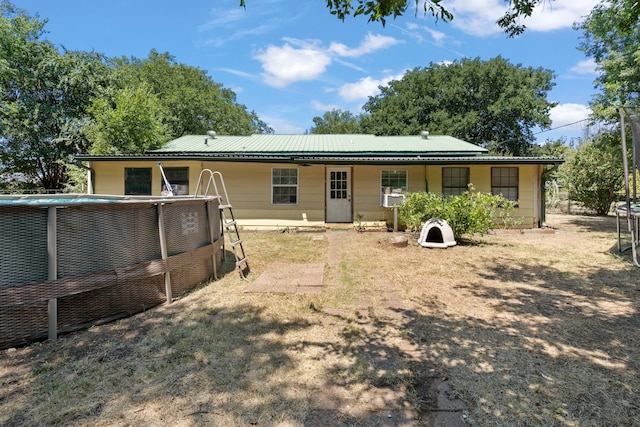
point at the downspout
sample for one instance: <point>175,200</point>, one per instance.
<point>426,179</point>
<point>91,182</point>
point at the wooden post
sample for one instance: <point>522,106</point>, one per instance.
<point>395,218</point>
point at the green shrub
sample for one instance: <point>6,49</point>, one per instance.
<point>595,174</point>
<point>507,214</point>
<point>470,212</point>
<point>420,207</point>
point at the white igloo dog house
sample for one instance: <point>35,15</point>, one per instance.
<point>436,233</point>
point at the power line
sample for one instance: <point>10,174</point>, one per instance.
<point>562,126</point>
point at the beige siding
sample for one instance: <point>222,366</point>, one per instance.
<point>367,189</point>
<point>109,176</point>
<point>249,186</point>
<point>480,177</point>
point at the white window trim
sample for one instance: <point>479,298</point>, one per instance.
<point>297,185</point>
<point>382,188</point>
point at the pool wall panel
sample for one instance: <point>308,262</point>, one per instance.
<point>109,261</point>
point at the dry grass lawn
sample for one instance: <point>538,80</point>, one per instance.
<point>527,330</point>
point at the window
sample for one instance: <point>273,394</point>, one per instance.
<point>284,186</point>
<point>338,185</point>
<point>179,180</point>
<point>505,181</point>
<point>394,180</point>
<point>137,181</point>
<point>454,181</point>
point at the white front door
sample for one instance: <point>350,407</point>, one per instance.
<point>339,195</point>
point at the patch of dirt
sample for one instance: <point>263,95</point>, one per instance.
<point>289,278</point>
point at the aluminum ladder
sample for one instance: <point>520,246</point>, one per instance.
<point>228,223</point>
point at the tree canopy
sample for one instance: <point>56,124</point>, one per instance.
<point>611,36</point>
<point>380,10</point>
<point>489,103</point>
<point>336,122</point>
<point>56,103</point>
<point>594,173</point>
<point>191,102</point>
<point>132,125</point>
<point>44,99</point>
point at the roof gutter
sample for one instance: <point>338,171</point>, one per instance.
<point>356,158</point>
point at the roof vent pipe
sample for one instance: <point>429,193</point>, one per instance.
<point>212,133</point>
<point>424,134</point>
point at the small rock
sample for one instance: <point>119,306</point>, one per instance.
<point>399,242</point>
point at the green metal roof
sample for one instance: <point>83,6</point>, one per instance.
<point>325,149</point>
<point>321,144</point>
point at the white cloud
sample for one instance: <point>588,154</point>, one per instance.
<point>371,43</point>
<point>416,31</point>
<point>300,60</point>
<point>282,126</point>
<point>558,14</point>
<point>437,36</point>
<point>479,17</point>
<point>220,41</point>
<point>569,115</point>
<point>231,24</point>
<point>319,106</point>
<point>349,65</point>
<point>223,17</point>
<point>287,64</point>
<point>238,73</point>
<point>588,66</point>
<point>365,87</point>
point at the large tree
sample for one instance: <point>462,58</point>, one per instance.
<point>380,10</point>
<point>56,103</point>
<point>336,122</point>
<point>192,102</point>
<point>611,36</point>
<point>490,103</point>
<point>44,98</point>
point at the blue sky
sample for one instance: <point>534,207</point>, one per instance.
<point>290,61</point>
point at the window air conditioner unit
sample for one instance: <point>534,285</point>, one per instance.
<point>393,199</point>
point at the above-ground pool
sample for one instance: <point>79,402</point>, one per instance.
<point>73,261</point>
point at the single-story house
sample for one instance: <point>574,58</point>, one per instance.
<point>324,178</point>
